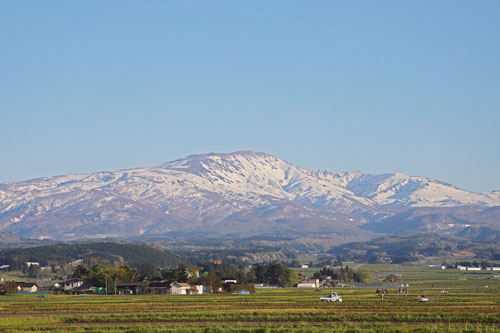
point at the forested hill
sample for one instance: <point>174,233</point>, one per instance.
<point>63,253</point>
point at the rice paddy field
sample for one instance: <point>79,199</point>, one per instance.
<point>471,304</point>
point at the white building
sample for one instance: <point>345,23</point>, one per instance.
<point>180,288</point>
<point>473,268</point>
<point>73,283</point>
<point>309,284</point>
<point>197,289</point>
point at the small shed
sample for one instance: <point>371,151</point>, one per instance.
<point>437,267</point>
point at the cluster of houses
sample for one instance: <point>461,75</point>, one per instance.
<point>156,286</point>
<point>159,286</point>
<point>465,268</point>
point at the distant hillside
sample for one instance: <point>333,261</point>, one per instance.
<point>410,249</point>
<point>63,253</point>
<point>447,221</point>
<point>482,234</point>
<point>8,238</point>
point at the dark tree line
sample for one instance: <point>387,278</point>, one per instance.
<point>101,275</point>
<point>344,274</point>
<point>274,274</point>
<point>211,275</point>
<point>63,253</point>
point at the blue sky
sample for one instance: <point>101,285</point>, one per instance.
<point>376,86</point>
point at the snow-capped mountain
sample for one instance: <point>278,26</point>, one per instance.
<point>237,193</point>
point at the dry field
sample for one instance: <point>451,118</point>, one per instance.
<point>469,306</point>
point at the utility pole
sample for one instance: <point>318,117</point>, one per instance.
<point>106,279</point>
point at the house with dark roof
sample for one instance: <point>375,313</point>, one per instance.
<point>160,288</point>
<point>128,288</point>
<point>72,284</point>
<point>28,287</point>
<point>84,287</point>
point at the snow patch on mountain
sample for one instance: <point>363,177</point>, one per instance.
<point>203,190</point>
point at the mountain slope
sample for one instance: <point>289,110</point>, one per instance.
<point>238,193</point>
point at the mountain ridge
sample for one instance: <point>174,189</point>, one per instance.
<point>208,193</point>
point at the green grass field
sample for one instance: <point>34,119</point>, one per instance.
<point>468,307</point>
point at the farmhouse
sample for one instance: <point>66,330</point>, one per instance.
<point>128,288</point>
<point>159,288</point>
<point>28,287</point>
<point>180,288</point>
<point>84,287</point>
<point>72,284</point>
